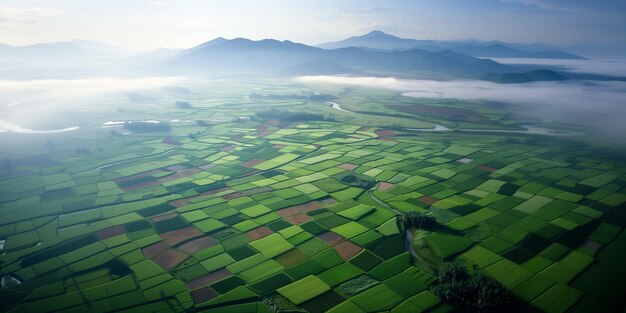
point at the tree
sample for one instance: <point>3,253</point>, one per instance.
<point>418,220</point>
<point>475,293</point>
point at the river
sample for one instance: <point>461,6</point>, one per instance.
<point>10,127</point>
<point>530,130</point>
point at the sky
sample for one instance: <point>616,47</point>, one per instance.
<point>149,24</point>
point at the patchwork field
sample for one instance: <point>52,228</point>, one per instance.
<point>264,214</point>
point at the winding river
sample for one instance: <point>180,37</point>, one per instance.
<point>6,126</point>
<point>530,130</point>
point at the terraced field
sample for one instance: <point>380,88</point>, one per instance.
<point>257,216</point>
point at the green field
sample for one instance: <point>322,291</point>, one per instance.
<point>230,212</point>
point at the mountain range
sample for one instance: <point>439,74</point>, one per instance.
<point>242,55</point>
<point>375,53</point>
<point>492,49</point>
<point>58,54</point>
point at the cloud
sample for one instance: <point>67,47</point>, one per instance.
<point>165,3</point>
<point>29,15</point>
<point>574,6</point>
<point>597,106</point>
<point>368,10</point>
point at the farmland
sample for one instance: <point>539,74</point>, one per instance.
<point>227,211</point>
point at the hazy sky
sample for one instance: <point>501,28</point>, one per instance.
<point>148,24</point>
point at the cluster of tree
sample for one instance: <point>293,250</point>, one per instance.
<point>356,180</point>
<point>307,97</point>
<point>146,126</point>
<point>291,116</point>
<point>412,219</point>
<point>474,293</point>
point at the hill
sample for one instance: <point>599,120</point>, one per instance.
<point>288,58</point>
<point>381,40</point>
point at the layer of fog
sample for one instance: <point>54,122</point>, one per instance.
<point>52,103</point>
<point>599,105</point>
<point>603,67</point>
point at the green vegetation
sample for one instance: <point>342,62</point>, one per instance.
<point>471,292</point>
<point>412,219</point>
<point>303,289</point>
<point>298,211</point>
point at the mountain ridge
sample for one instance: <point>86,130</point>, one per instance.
<point>380,40</point>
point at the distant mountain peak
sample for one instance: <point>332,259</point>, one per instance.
<point>377,34</point>
<point>215,41</point>
<point>377,39</point>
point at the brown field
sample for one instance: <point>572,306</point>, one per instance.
<point>150,183</point>
<point>259,233</point>
<point>203,295</point>
<point>111,232</point>
<point>384,186</point>
<point>385,133</point>
<point>198,244</point>
<point>297,219</point>
<point>210,192</point>
<point>177,236</point>
<point>163,217</point>
<point>155,249</point>
<point>179,203</point>
<point>429,200</point>
<point>487,168</point>
<point>348,166</point>
<point>302,208</point>
<point>169,259</point>
<point>252,163</point>
<point>264,133</point>
<point>347,250</point>
<point>331,238</point>
<point>233,195</point>
<point>208,279</point>
<point>592,245</point>
<point>291,258</point>
<point>328,201</point>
